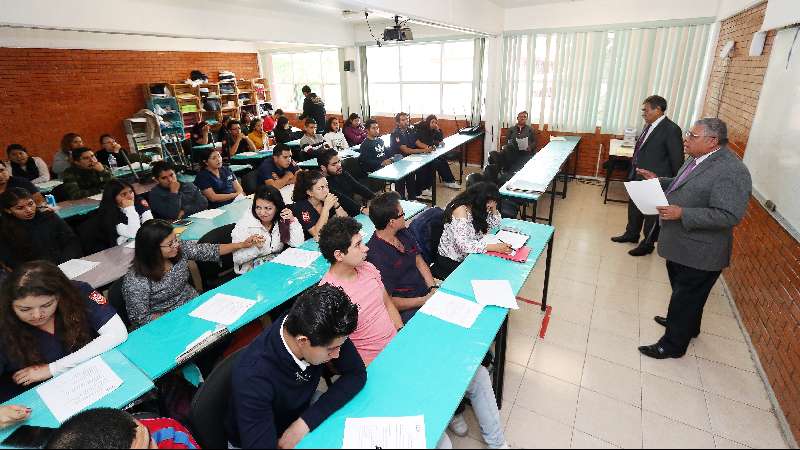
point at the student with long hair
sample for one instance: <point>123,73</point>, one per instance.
<point>62,160</point>
<point>237,140</point>
<point>430,135</point>
<point>216,181</point>
<point>8,182</point>
<point>314,204</point>
<point>50,325</point>
<point>273,222</point>
<point>283,131</point>
<point>117,219</point>
<point>158,282</point>
<point>467,220</point>
<point>28,233</point>
<point>334,136</point>
<point>354,130</point>
<point>258,136</point>
<point>31,168</point>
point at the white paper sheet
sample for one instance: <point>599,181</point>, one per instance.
<point>77,267</point>
<point>526,186</point>
<point>647,195</point>
<point>247,154</point>
<point>223,309</point>
<point>415,158</point>
<point>494,293</point>
<point>49,184</point>
<point>97,197</point>
<point>79,388</point>
<point>450,308</point>
<point>385,432</point>
<point>522,143</point>
<point>208,214</point>
<point>514,239</point>
<point>557,138</point>
<point>297,257</point>
<point>286,193</point>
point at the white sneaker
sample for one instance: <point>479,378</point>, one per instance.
<point>459,426</point>
<point>452,185</point>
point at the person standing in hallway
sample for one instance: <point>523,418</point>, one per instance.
<point>707,198</point>
<point>659,149</point>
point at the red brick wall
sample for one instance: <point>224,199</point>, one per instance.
<point>764,277</point>
<point>47,93</point>
<point>742,75</point>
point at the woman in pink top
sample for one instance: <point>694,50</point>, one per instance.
<point>354,130</point>
<point>342,245</point>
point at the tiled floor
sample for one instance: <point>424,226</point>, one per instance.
<point>585,385</point>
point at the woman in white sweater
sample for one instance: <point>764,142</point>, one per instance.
<point>334,135</point>
<point>273,222</point>
<point>117,219</point>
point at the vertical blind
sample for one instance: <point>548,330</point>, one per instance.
<point>576,81</point>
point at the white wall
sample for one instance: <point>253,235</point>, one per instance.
<point>605,12</point>
<point>729,8</point>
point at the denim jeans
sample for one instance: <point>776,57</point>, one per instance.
<point>481,394</point>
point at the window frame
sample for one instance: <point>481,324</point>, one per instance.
<point>296,86</point>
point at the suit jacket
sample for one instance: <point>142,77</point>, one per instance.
<point>662,152</point>
<point>714,199</point>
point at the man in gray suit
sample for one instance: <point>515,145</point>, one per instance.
<point>707,198</point>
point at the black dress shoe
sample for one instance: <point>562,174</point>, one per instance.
<point>642,250</point>
<point>656,351</point>
<point>625,239</point>
<point>661,320</point>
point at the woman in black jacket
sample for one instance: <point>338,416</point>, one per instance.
<point>284,133</point>
<point>28,233</point>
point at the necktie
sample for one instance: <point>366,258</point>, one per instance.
<point>676,184</point>
<point>639,144</point>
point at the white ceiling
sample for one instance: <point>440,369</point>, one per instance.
<point>522,3</point>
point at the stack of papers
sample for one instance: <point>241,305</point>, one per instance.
<point>450,308</point>
<point>78,389</point>
<point>77,267</point>
<point>385,432</point>
<point>223,309</point>
<point>515,239</point>
<point>494,293</point>
<point>297,257</point>
<point>648,195</point>
<point>208,214</point>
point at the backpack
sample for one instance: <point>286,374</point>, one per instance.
<point>427,229</point>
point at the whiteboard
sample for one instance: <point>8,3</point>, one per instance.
<point>773,151</point>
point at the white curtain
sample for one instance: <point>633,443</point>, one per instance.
<point>576,81</point>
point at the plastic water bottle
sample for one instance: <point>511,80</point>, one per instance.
<point>51,200</point>
<point>112,162</point>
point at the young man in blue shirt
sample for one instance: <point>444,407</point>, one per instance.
<point>278,171</point>
<point>275,378</point>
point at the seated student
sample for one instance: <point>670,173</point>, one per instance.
<point>273,222</point>
<point>378,319</point>
<point>103,428</point>
<point>50,325</point>
<point>13,414</point>
<point>354,130</point>
<point>404,142</point>
<point>86,176</point>
<point>521,145</point>
<point>467,220</point>
<point>270,119</point>
<point>217,182</point>
<point>236,140</point>
<point>341,243</point>
<point>334,136</point>
<point>275,378</point>
<point>222,132</point>
<point>258,136</point>
<point>62,160</point>
<point>28,233</point>
<point>31,168</point>
<point>201,134</point>
<point>110,147</point>
<point>430,135</point>
<point>343,185</point>
<point>158,280</point>
<point>396,254</point>
<point>283,131</point>
<point>311,144</point>
<point>245,119</point>
<point>170,199</point>
<point>117,219</point>
<point>314,204</point>
<point>374,154</point>
<point>280,170</point>
<point>8,182</point>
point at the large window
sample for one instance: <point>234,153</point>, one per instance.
<point>421,79</point>
<point>317,69</point>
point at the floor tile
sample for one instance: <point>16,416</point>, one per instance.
<point>741,423</point>
<point>567,334</point>
<point>610,420</point>
<point>614,348</point>
<point>624,266</point>
<point>660,432</point>
<point>563,287</point>
<point>583,440</point>
<point>549,397</point>
<point>722,326</point>
<point>718,304</point>
<point>676,401</point>
<point>723,443</point>
<point>681,370</point>
<point>564,364</point>
<point>514,373</point>
<point>615,322</point>
<point>619,281</point>
<point>527,429</point>
<point>465,442</point>
<point>735,384</point>
<point>618,382</point>
<point>617,300</point>
<point>519,348</point>
<point>726,351</point>
<point>572,309</point>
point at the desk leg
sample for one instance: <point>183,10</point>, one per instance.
<point>462,163</point>
<point>500,362</point>
<point>547,271</point>
<point>434,189</point>
<point>566,181</point>
<point>553,203</point>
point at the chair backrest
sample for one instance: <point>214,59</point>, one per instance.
<point>250,182</point>
<point>427,229</point>
<point>210,405</point>
<point>215,274</point>
<point>60,193</point>
<point>116,300</point>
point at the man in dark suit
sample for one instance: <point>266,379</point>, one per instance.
<point>707,198</point>
<point>659,149</point>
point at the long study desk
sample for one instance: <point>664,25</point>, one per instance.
<point>426,369</point>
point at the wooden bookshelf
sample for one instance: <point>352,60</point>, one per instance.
<point>263,95</point>
<point>209,90</point>
<point>188,102</point>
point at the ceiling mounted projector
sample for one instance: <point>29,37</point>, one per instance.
<point>398,32</point>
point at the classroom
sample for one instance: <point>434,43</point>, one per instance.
<point>371,224</point>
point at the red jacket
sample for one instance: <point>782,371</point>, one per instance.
<point>168,433</point>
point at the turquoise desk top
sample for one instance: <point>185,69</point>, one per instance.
<point>410,164</point>
<point>233,212</point>
<point>270,285</point>
<point>48,186</point>
<point>444,355</point>
<point>125,171</point>
<point>135,384</point>
<point>543,167</point>
<point>75,208</point>
<point>250,156</point>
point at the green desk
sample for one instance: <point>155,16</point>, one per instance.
<point>233,212</point>
<point>135,384</point>
<point>427,368</point>
<point>74,208</point>
<point>48,186</point>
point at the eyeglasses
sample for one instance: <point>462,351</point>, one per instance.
<point>400,215</point>
<point>172,244</point>
<point>690,135</point>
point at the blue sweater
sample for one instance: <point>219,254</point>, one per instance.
<point>270,392</point>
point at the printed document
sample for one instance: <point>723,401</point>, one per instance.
<point>647,195</point>
<point>77,267</point>
<point>385,432</point>
<point>223,309</point>
<point>450,308</point>
<point>208,214</point>
<point>297,257</point>
<point>495,293</point>
<point>79,388</point>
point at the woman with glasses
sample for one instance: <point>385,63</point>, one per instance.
<point>110,147</point>
<point>158,281</point>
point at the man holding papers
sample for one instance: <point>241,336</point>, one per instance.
<point>276,377</point>
<point>659,150</point>
<point>707,198</point>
